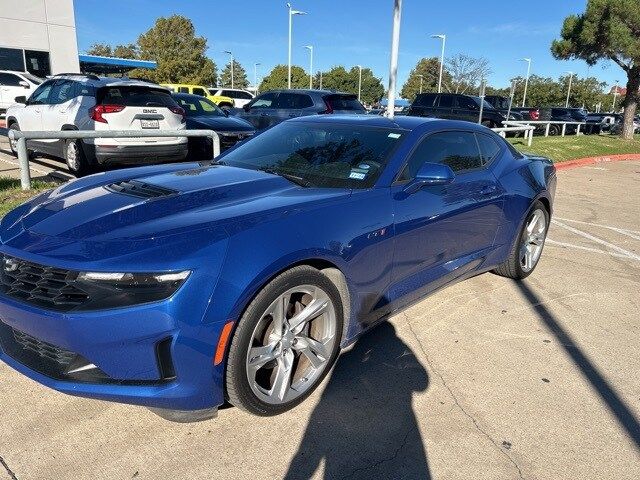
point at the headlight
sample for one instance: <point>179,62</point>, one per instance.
<point>116,289</point>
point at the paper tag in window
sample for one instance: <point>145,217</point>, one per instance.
<point>394,135</point>
<point>357,175</point>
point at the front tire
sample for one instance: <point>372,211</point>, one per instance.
<point>526,251</point>
<point>285,343</point>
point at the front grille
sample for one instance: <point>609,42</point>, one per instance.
<point>139,189</point>
<point>47,287</point>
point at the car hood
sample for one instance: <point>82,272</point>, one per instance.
<point>192,197</point>
<point>222,124</point>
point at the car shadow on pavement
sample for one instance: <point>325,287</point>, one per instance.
<point>364,425</point>
<point>617,406</point>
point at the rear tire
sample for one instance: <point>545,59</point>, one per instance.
<point>272,366</point>
<point>527,249</point>
<point>75,158</point>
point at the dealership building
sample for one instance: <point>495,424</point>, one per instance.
<point>38,36</point>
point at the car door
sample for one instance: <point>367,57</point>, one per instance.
<point>31,115</point>
<point>445,106</point>
<point>56,112</point>
<point>467,109</point>
<point>291,105</point>
<point>260,110</point>
<point>10,88</point>
<point>443,231</point>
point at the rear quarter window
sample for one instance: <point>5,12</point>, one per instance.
<point>425,100</point>
<point>344,102</point>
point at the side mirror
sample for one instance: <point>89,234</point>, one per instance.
<point>24,84</point>
<point>430,174</point>
<point>246,108</point>
<point>21,99</point>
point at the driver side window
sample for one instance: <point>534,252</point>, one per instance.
<point>41,95</point>
<point>459,150</point>
<point>266,100</point>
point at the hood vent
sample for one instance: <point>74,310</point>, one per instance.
<point>139,189</point>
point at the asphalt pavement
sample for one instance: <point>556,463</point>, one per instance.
<point>488,379</point>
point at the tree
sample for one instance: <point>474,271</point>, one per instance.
<point>372,89</point>
<point>429,68</point>
<point>466,73</point>
<point>179,53</point>
<point>119,51</point>
<point>277,78</point>
<point>239,76</point>
<point>608,29</point>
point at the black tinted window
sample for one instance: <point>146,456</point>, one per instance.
<point>323,155</point>
<point>37,62</point>
<point>135,97</point>
<point>446,101</point>
<point>467,103</point>
<point>9,80</point>
<point>459,150</point>
<point>425,100</point>
<point>488,148</point>
<point>237,94</point>
<point>292,101</point>
<point>183,89</point>
<point>344,102</point>
<point>199,91</point>
<point>11,59</point>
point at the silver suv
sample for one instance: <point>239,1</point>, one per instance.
<point>88,102</point>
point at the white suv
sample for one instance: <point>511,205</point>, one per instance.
<point>15,84</point>
<point>240,97</point>
<point>88,102</point>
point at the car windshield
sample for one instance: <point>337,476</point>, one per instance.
<point>196,106</point>
<point>319,155</point>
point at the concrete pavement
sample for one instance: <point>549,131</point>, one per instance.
<point>488,379</point>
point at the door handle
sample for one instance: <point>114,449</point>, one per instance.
<point>488,190</point>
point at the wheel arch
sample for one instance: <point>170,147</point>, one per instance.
<point>11,120</point>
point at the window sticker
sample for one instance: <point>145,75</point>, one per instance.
<point>394,135</point>
<point>356,175</point>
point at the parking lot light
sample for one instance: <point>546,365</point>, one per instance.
<point>444,39</point>
<point>526,82</point>
<point>231,55</point>
<point>615,95</point>
<point>255,76</point>
<point>310,48</point>
<point>566,105</point>
<point>421,78</point>
<point>359,80</point>
<point>291,14</point>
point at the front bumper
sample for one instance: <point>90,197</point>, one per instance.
<point>138,154</point>
<point>123,345</point>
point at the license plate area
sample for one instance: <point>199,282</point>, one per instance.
<point>149,123</point>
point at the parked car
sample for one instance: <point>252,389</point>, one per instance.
<point>616,128</point>
<point>561,114</point>
<point>88,102</point>
<point>16,84</point>
<point>597,123</point>
<point>240,97</point>
<point>226,103</point>
<point>272,107</point>
<point>202,113</point>
<point>520,113</point>
<point>182,287</point>
<point>454,106</point>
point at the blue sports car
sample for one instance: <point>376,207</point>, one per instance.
<point>185,287</point>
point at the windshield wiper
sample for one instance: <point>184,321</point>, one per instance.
<point>292,178</point>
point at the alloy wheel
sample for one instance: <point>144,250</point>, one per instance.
<point>72,156</point>
<point>533,239</point>
<point>291,345</point>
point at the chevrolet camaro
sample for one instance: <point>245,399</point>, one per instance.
<point>237,281</point>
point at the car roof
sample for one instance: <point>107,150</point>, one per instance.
<point>106,81</point>
<point>403,122</point>
<point>308,91</point>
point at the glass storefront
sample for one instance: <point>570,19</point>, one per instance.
<point>33,61</point>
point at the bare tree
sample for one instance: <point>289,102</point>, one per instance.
<point>466,72</point>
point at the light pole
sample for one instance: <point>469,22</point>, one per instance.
<point>320,80</point>
<point>310,48</point>
<point>526,82</point>
<point>566,105</point>
<point>359,80</point>
<point>421,77</point>
<point>444,39</point>
<point>393,62</point>
<point>615,95</point>
<point>231,55</point>
<point>291,14</point>
<point>255,77</point>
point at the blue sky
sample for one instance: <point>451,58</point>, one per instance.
<point>351,32</point>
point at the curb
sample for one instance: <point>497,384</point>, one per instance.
<point>580,162</point>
